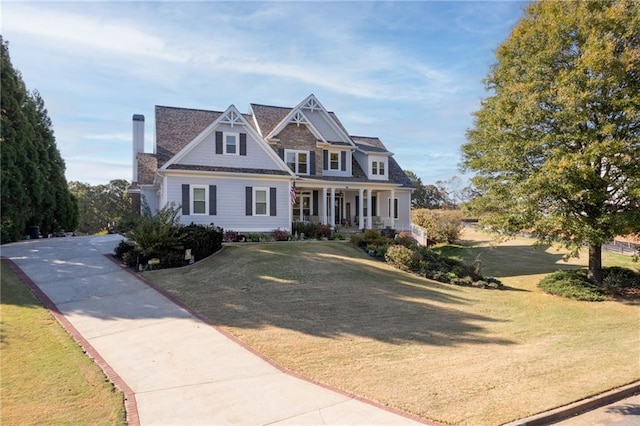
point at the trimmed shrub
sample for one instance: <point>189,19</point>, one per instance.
<point>572,284</point>
<point>402,257</point>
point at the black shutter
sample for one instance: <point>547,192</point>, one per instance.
<point>185,199</point>
<point>312,161</point>
<point>281,153</point>
<point>343,161</point>
<point>325,159</point>
<point>395,208</point>
<point>374,206</point>
<point>249,201</point>
<point>315,203</point>
<point>272,201</point>
<point>243,144</point>
<point>213,208</point>
<point>357,205</point>
<point>218,142</point>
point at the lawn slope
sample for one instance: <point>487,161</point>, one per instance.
<point>457,355</point>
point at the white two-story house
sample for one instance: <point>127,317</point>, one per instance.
<point>268,168</point>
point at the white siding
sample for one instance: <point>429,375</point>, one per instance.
<point>230,202</point>
<point>204,154</point>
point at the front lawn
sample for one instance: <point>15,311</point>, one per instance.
<point>457,355</point>
<point>46,378</point>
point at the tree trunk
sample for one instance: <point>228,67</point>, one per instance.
<point>595,264</point>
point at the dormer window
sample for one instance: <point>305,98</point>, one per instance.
<point>334,161</point>
<point>377,168</point>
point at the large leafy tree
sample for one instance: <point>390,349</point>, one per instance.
<point>33,186</point>
<point>102,207</point>
<point>556,144</point>
<point>424,196</point>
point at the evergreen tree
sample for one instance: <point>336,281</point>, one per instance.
<point>33,187</point>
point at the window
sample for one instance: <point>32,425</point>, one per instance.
<point>334,161</point>
<point>198,200</point>
<point>377,168</point>
<point>261,201</point>
<point>231,143</point>
<point>298,161</point>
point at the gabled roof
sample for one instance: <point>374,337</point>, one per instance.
<point>270,120</point>
<point>232,117</point>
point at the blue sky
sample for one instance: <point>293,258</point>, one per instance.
<point>408,72</point>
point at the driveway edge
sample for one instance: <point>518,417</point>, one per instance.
<point>130,404</point>
<point>579,407</point>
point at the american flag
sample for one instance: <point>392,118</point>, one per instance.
<point>293,193</point>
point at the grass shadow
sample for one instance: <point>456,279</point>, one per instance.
<point>327,290</point>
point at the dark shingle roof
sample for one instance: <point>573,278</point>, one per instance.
<point>368,144</point>
<point>176,127</point>
<point>227,169</point>
<point>268,117</point>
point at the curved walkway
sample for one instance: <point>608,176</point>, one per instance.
<point>174,368</point>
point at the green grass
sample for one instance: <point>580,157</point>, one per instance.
<point>457,355</point>
<point>46,377</point>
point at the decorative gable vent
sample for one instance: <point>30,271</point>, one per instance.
<point>312,104</point>
<point>299,118</point>
<point>231,118</point>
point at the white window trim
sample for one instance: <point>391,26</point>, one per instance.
<point>255,201</point>
<point>378,163</point>
<point>192,199</point>
<point>297,162</point>
<point>339,154</point>
<point>224,143</point>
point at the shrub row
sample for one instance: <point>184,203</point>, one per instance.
<point>202,240</point>
<point>404,253</point>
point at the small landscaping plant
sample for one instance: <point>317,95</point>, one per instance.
<point>280,235</point>
<point>405,253</point>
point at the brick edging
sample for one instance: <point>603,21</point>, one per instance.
<point>271,362</point>
<point>130,404</point>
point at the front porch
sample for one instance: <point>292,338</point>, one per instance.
<point>346,208</point>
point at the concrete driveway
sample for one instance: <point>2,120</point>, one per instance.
<point>179,369</point>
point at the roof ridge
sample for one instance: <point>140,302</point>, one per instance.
<point>188,109</point>
<point>270,106</point>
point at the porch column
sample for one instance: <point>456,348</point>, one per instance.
<point>361,209</point>
<point>393,208</point>
<point>369,209</point>
<point>333,207</point>
<point>323,203</point>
